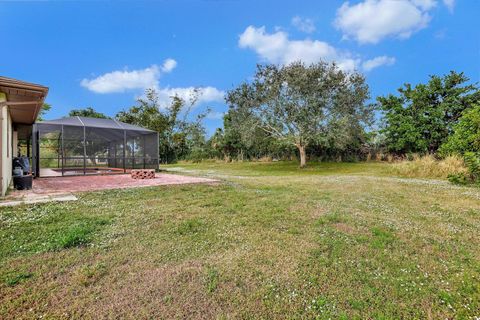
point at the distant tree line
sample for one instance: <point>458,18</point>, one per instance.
<point>440,117</point>
<point>316,111</point>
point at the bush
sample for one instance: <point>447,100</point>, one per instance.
<point>458,178</point>
<point>430,167</point>
<point>466,136</point>
<point>472,161</point>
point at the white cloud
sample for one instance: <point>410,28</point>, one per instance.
<point>169,65</point>
<point>450,4</point>
<point>120,81</point>
<point>377,62</point>
<point>425,4</point>
<point>373,20</point>
<point>123,80</point>
<point>303,24</point>
<point>205,94</point>
<point>278,48</point>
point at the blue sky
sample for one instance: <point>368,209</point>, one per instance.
<point>104,54</point>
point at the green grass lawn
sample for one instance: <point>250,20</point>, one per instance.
<point>333,241</point>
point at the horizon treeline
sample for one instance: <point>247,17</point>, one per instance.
<point>316,112</point>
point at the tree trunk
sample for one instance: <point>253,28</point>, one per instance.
<point>303,156</point>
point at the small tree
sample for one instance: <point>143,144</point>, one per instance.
<point>303,105</point>
<point>43,111</point>
<point>177,134</point>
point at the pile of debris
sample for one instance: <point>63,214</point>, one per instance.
<point>143,174</point>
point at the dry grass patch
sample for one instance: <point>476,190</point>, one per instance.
<point>430,167</point>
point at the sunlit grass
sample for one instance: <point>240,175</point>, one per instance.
<point>334,240</point>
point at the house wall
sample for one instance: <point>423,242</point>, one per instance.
<point>6,151</point>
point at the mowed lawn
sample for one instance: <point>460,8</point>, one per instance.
<point>333,241</point>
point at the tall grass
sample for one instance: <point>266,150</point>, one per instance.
<point>429,167</point>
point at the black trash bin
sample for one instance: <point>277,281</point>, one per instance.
<point>23,163</point>
<point>23,182</point>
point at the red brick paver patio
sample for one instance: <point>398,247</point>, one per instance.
<point>105,182</point>
<point>62,188</point>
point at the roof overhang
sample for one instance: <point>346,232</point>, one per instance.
<point>23,99</point>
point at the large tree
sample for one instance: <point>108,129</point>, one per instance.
<point>422,117</point>
<point>303,105</point>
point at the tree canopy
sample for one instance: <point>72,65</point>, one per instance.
<point>179,136</point>
<point>87,112</point>
<point>302,105</point>
<point>422,117</point>
<point>315,109</point>
<point>43,111</point>
<point>466,136</point>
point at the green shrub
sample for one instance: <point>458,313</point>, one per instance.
<point>197,155</point>
<point>472,162</point>
<point>465,141</point>
<point>466,136</point>
<point>458,178</point>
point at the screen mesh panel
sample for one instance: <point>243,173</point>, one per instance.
<point>87,146</point>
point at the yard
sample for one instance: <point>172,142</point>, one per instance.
<point>340,241</point>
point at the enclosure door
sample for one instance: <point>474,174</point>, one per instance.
<point>48,150</point>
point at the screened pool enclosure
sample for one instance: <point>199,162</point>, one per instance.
<point>91,146</point>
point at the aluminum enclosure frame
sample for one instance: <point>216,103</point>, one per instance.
<point>88,146</point>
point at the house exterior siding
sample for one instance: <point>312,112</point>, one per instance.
<point>20,103</point>
<point>6,145</point>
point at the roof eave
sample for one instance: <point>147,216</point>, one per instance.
<point>21,95</point>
